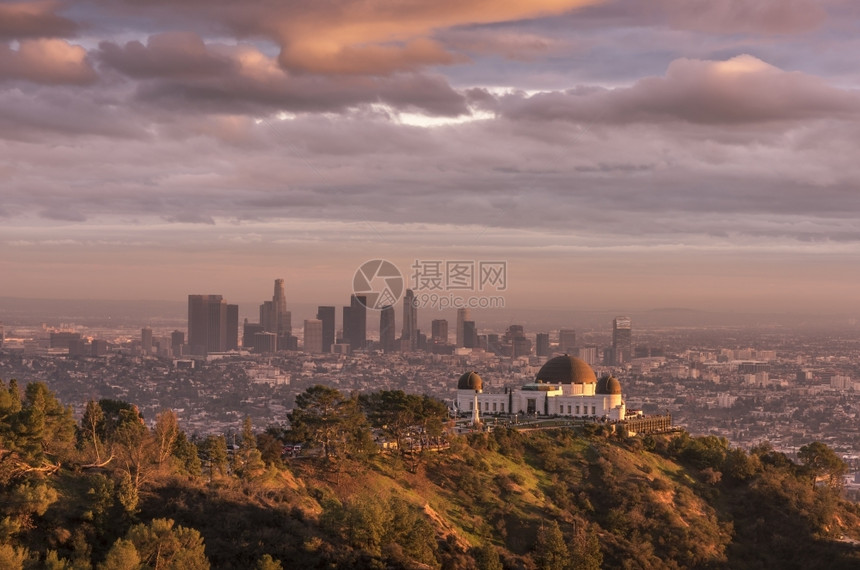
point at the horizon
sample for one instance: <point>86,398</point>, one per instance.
<point>611,154</point>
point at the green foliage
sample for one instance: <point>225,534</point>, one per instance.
<point>266,562</point>
<point>819,460</point>
<point>551,551</point>
<point>486,557</point>
<point>326,418</point>
<point>214,451</point>
<point>123,555</point>
<point>161,545</point>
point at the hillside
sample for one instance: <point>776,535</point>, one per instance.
<point>111,493</point>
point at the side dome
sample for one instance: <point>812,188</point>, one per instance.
<point>470,381</point>
<point>566,370</point>
<point>608,385</point>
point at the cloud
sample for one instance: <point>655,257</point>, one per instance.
<point>743,16</point>
<point>49,61</point>
<point>181,71</point>
<point>22,20</point>
<point>740,90</point>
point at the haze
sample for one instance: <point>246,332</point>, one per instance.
<point>618,154</point>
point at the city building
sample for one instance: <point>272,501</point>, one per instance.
<point>542,344</point>
<point>463,315</point>
<point>177,340</point>
<point>387,326</point>
<point>355,322</point>
<point>207,324</point>
<point>275,318</point>
<point>470,334</point>
<point>313,335</point>
<point>564,386</point>
<point>567,341</point>
<point>2,335</point>
<point>409,335</point>
<point>439,331</point>
<point>326,315</point>
<point>146,340</point>
<point>622,340</point>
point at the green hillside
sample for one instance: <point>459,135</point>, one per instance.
<point>108,492</point>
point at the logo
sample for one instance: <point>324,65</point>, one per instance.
<point>379,282</point>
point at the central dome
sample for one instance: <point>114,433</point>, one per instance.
<point>566,370</point>
<point>470,381</point>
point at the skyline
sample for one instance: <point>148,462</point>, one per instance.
<point>617,156</point>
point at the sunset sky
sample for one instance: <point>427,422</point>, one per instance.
<point>618,154</point>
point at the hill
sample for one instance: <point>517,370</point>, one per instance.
<point>111,493</point>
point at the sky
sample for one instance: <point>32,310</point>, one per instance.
<point>615,154</point>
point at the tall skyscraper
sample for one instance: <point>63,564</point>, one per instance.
<point>248,332</point>
<point>2,335</point>
<point>410,320</point>
<point>177,339</point>
<point>542,344</point>
<point>275,317</point>
<point>387,328</point>
<point>146,340</point>
<point>622,340</point>
<point>326,315</point>
<point>355,330</point>
<point>232,327</point>
<point>567,341</point>
<point>463,315</point>
<point>470,334</point>
<point>439,331</point>
<point>207,324</point>
<point>313,335</point>
<point>346,332</point>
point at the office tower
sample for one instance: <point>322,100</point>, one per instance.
<point>326,315</point>
<point>313,335</point>
<point>410,320</point>
<point>542,344</point>
<point>567,341</point>
<point>207,324</point>
<point>282,317</point>
<point>439,331</point>
<point>622,341</point>
<point>232,327</point>
<point>387,329</point>
<point>346,332</point>
<point>98,347</point>
<point>588,354</point>
<point>63,339</point>
<point>146,340</point>
<point>177,339</point>
<point>2,335</point>
<point>357,328</point>
<point>463,315</point>
<point>248,332</point>
<point>470,334</point>
<point>267,317</point>
<point>265,342</point>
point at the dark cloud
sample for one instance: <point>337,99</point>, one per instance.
<point>173,54</point>
<point>28,20</point>
<point>741,90</point>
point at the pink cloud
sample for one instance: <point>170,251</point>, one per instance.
<point>50,61</point>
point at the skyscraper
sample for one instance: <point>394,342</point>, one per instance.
<point>275,317</point>
<point>439,331</point>
<point>410,321</point>
<point>463,315</point>
<point>177,339</point>
<point>470,334</point>
<point>567,341</point>
<point>355,331</point>
<point>313,335</point>
<point>387,328</point>
<point>326,315</point>
<point>207,324</point>
<point>622,340</point>
<point>146,340</point>
<point>232,327</point>
<point>542,344</point>
<point>2,335</point>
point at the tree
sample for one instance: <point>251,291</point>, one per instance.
<point>214,449</point>
<point>166,433</point>
<point>819,460</point>
<point>122,556</point>
<point>247,462</point>
<point>551,552</point>
<point>162,546</point>
<point>486,557</point>
<point>266,562</point>
<point>325,417</point>
<point>92,430</point>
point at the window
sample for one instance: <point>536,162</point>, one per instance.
<point>593,411</point>
<point>486,406</point>
<point>503,406</point>
<point>577,409</point>
<point>494,406</point>
<point>568,409</point>
<point>471,406</point>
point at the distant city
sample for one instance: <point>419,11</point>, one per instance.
<point>749,384</point>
